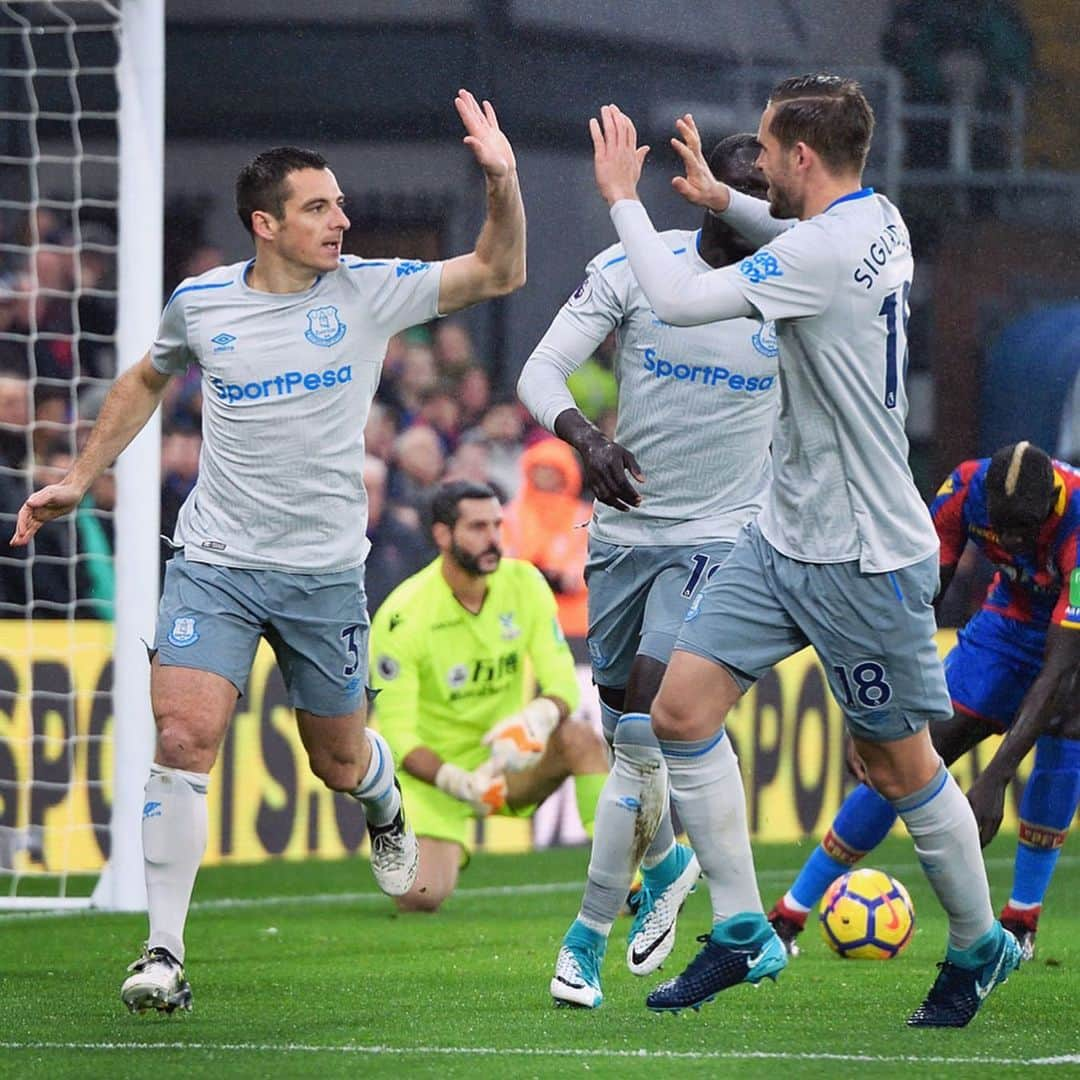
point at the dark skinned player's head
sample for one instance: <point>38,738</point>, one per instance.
<point>1020,491</point>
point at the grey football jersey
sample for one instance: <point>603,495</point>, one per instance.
<point>696,405</point>
<point>287,383</point>
<point>837,285</point>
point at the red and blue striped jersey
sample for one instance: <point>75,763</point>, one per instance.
<point>1037,587</point>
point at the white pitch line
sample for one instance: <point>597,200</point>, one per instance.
<point>547,1051</point>
<point>479,892</point>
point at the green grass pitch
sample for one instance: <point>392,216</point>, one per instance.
<point>302,970</point>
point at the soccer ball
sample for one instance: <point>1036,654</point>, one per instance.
<point>867,915</point>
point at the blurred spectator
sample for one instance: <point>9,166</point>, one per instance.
<point>922,33</point>
<point>440,411</point>
<point>502,429</point>
<point>204,257</point>
<point>593,384</point>
<point>453,348</point>
<point>397,550</point>
<point>545,523</point>
<point>418,464</point>
<point>14,418</point>
<point>471,461</point>
<point>473,394</point>
<point>380,431</point>
<point>416,376</point>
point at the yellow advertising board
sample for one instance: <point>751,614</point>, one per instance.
<point>56,727</point>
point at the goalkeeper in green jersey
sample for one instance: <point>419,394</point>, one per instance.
<point>454,650</point>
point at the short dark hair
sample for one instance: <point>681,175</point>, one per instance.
<point>733,160</point>
<point>446,502</point>
<point>262,184</point>
<point>827,112</point>
<point>1020,482</point>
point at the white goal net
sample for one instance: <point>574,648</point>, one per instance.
<point>68,76</point>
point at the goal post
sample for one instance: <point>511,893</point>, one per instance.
<point>141,78</point>
<point>81,218</point>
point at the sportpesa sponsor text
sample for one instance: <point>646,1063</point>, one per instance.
<point>706,374</point>
<point>282,385</point>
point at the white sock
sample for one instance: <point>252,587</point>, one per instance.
<point>946,837</point>
<point>174,839</point>
<point>377,791</point>
<point>707,790</point>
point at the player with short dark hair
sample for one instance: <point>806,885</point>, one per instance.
<point>271,541</point>
<point>451,647</point>
<point>686,470</point>
<point>843,555</point>
<point>1015,668</point>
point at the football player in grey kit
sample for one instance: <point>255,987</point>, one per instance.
<point>696,412</point>
<point>843,556</point>
<point>271,541</point>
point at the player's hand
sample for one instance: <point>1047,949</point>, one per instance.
<point>698,186</point>
<point>519,741</point>
<point>484,789</point>
<point>44,505</point>
<point>617,158</point>
<point>606,467</point>
<point>485,139</point>
<point>987,798</point>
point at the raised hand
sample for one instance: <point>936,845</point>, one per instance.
<point>617,158</point>
<point>44,505</point>
<point>698,186</point>
<point>485,139</point>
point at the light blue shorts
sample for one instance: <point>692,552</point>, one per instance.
<point>874,633</point>
<point>638,598</point>
<point>211,618</point>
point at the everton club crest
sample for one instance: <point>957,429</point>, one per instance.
<point>324,327</point>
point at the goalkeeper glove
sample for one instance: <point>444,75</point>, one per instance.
<point>484,789</point>
<point>518,742</point>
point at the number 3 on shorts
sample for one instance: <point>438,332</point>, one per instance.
<point>866,685</point>
<point>351,636</point>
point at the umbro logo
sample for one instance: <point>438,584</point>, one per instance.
<point>223,342</point>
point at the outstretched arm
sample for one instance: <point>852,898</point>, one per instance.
<point>131,401</point>
<point>677,294</point>
<point>1054,697</point>
<point>496,266</point>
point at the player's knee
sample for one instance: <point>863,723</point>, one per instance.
<point>338,773</point>
<point>184,744</point>
<point>417,900</point>
<point>579,748</point>
<point>669,721</point>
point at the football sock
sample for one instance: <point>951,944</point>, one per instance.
<point>609,721</point>
<point>946,837</point>
<point>707,790</point>
<point>739,931</point>
<point>631,804</point>
<point>862,822</point>
<point>587,790</point>
<point>174,832</point>
<point>377,792</point>
<point>1047,809</point>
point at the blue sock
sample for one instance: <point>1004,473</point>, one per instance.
<point>980,952</point>
<point>862,822</point>
<point>660,876</point>
<point>745,928</point>
<point>580,935</point>
<point>1047,808</point>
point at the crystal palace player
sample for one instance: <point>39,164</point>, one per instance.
<point>1015,666</point>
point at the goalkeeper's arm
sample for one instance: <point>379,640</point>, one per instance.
<point>484,789</point>
<point>519,741</point>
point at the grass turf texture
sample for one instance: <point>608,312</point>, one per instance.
<point>329,983</point>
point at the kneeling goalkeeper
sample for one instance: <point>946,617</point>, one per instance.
<point>452,649</point>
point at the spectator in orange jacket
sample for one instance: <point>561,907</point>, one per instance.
<point>541,524</point>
